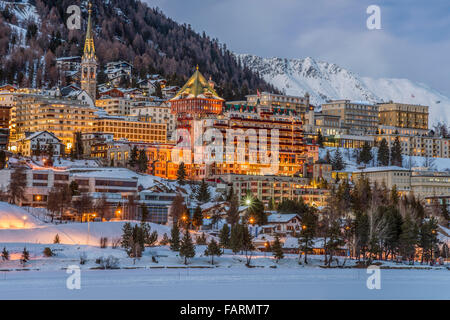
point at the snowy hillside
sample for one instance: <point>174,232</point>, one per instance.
<point>325,81</point>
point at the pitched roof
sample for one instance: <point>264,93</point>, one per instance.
<point>197,87</point>
<point>281,218</point>
<point>32,135</point>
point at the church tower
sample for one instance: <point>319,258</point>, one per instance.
<point>89,62</point>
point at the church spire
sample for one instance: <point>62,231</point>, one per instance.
<point>89,49</point>
<point>89,61</point>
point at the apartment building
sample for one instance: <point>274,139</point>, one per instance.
<point>135,129</point>
<point>359,117</point>
<point>62,117</point>
<point>159,113</point>
<point>418,145</point>
<point>422,182</point>
<point>403,115</point>
<point>39,182</point>
<point>297,103</point>
<point>278,188</point>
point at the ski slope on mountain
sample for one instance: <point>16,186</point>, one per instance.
<point>326,81</point>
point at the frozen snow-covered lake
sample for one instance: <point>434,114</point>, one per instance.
<point>227,283</point>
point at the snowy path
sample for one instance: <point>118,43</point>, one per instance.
<point>230,283</point>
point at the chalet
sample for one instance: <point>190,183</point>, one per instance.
<point>170,91</point>
<point>117,70</point>
<point>282,224</point>
<point>28,145</point>
<point>8,87</point>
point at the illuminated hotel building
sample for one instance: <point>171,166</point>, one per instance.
<point>403,115</point>
<point>62,117</point>
<point>299,104</point>
<point>131,128</point>
<point>197,100</point>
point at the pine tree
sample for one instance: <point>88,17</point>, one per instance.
<point>175,238</point>
<point>25,256</point>
<point>408,238</point>
<point>277,250</point>
<point>212,250</point>
<point>396,153</point>
<point>383,153</point>
<point>56,239</point>
<point>181,174</point>
<point>133,157</point>
<point>17,184</point>
<point>247,244</point>
<point>127,236</point>
<point>224,236</point>
<point>337,162</point>
<point>187,249</point>
<point>365,155</point>
<point>335,239</point>
<point>394,195</point>
<point>142,161</point>
<point>256,210</point>
<point>203,194</point>
<point>233,210</point>
<point>197,218</point>
<point>307,233</point>
<point>5,254</point>
<point>361,233</point>
<point>320,139</point>
<point>236,238</point>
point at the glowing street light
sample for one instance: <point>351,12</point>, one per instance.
<point>252,220</point>
<point>304,227</point>
<point>248,202</point>
<point>24,220</point>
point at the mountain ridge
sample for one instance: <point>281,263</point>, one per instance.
<point>328,81</point>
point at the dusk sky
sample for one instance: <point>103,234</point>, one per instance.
<point>414,41</point>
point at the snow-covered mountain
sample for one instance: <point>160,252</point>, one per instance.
<point>325,81</point>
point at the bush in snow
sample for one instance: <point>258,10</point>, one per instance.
<point>108,263</point>
<point>56,240</point>
<point>48,252</point>
<point>165,240</point>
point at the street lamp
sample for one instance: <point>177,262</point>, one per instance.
<point>118,212</point>
<point>24,220</point>
<point>248,202</point>
<point>88,220</point>
<point>251,220</point>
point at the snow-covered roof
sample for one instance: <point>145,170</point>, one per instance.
<point>380,169</point>
<point>281,218</point>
